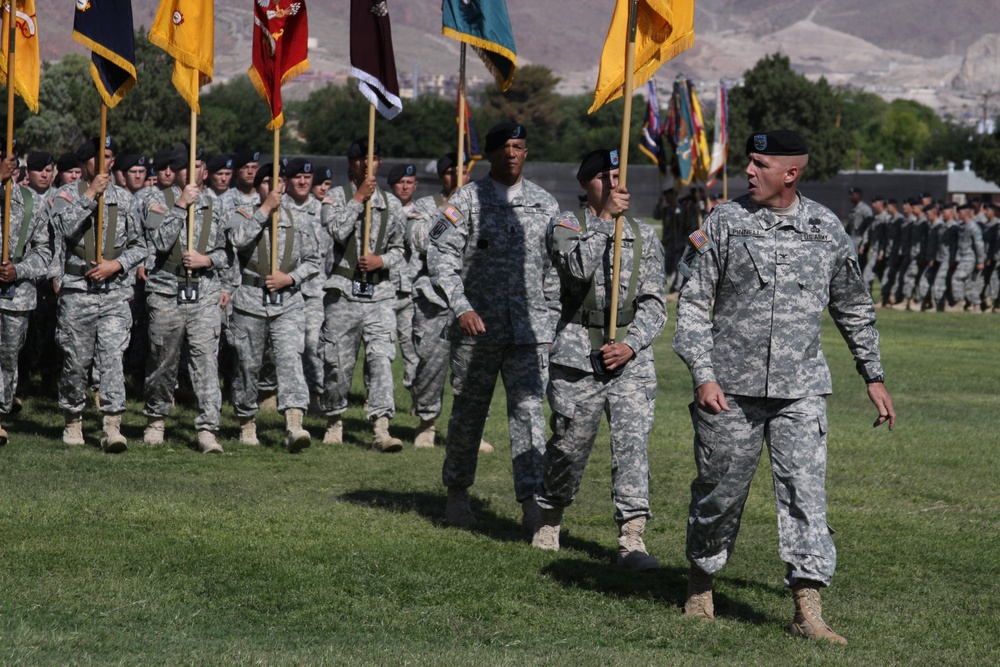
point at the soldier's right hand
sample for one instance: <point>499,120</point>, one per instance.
<point>366,189</point>
<point>98,185</point>
<point>618,201</point>
<point>711,399</point>
<point>273,200</point>
<point>189,196</point>
<point>7,167</point>
<point>471,323</point>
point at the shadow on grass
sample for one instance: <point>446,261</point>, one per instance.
<point>430,506</point>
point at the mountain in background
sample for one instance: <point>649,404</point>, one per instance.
<point>945,55</point>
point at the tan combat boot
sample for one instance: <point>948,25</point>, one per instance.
<point>73,430</point>
<point>113,442</point>
<point>699,603</point>
<point>632,552</point>
<point>155,428</point>
<point>485,447</point>
<point>207,444</point>
<point>547,535</point>
<point>3,436</point>
<point>248,431</point>
<point>382,441</point>
<point>424,439</point>
<point>457,510</point>
<point>808,622</point>
<point>531,516</point>
<point>296,437</point>
<point>334,431</point>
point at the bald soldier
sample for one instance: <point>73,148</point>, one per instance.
<point>759,275</point>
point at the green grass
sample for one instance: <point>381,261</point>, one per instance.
<point>338,556</point>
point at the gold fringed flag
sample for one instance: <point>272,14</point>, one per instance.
<point>105,27</point>
<point>26,60</point>
<point>186,30</point>
<point>280,50</point>
<point>664,28</point>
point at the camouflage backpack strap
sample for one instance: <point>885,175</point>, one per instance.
<point>111,233</point>
<point>351,249</point>
<point>286,263</point>
<point>438,199</point>
<point>22,236</point>
<point>88,251</point>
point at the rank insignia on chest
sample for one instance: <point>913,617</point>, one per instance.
<point>453,214</point>
<point>570,223</point>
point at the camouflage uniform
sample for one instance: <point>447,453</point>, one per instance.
<point>487,254</point>
<point>308,213</point>
<point>931,267</point>
<point>877,244</point>
<point>576,394</point>
<point>93,327</point>
<point>172,322</point>
<point>402,276</point>
<point>749,319</point>
<point>991,278</point>
<point>858,223</point>
<point>915,259</point>
<point>969,251</point>
<point>30,251</point>
<point>279,328</point>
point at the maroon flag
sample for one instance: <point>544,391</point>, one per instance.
<point>372,61</point>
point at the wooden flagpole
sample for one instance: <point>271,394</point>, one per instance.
<point>99,224</point>
<point>369,172</point>
<point>623,168</point>
<point>460,154</point>
<point>275,182</point>
<point>192,178</point>
<point>11,37</point>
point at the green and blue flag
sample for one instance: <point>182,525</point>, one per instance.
<point>485,26</point>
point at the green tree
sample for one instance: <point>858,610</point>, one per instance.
<point>774,96</point>
<point>68,108</point>
<point>235,116</point>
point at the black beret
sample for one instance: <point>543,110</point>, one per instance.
<point>966,207</point>
<point>245,157</point>
<point>777,142</point>
<point>129,160</point>
<point>67,161</point>
<point>296,166</point>
<point>263,172</point>
<point>218,163</point>
<point>185,150</point>
<point>168,157</point>
<point>855,191</point>
<point>501,133</point>
<point>322,172</point>
<point>878,198</point>
<point>990,205</point>
<point>88,149</point>
<point>446,162</point>
<point>949,204</point>
<point>359,149</point>
<point>892,202</point>
<point>597,162</point>
<point>397,173</point>
<point>39,160</point>
<point>911,201</point>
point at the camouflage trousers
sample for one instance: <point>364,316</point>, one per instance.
<point>925,282</point>
<point>578,400</point>
<point>404,334</point>
<point>906,286</point>
<point>875,269</point>
<point>346,326</point>
<point>93,330</point>
<point>727,448</point>
<point>312,361</point>
<point>991,282</point>
<point>13,333</point>
<point>951,281</point>
<point>431,324</point>
<point>282,335</point>
<point>170,324</point>
<point>974,286</point>
<point>524,372</point>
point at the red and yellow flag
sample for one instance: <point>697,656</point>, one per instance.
<point>26,61</point>
<point>280,50</point>
<point>186,30</point>
<point>664,28</point>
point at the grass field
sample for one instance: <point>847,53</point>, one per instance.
<point>338,556</point>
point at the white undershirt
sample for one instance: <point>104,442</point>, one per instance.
<point>508,193</point>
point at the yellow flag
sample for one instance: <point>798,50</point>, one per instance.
<point>26,61</point>
<point>186,30</point>
<point>664,29</point>
<point>702,158</point>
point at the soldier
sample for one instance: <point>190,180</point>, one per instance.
<point>30,252</point>
<point>67,170</point>
<point>186,288</point>
<point>487,259</point>
<point>268,309</point>
<point>220,172</point>
<point>360,295</point>
<point>243,193</point>
<point>970,258</point>
<point>874,246</point>
<point>929,265</point>
<point>748,326</point>
<point>912,259</point>
<point>587,376</point>
<point>944,259</point>
<point>894,240</point>
<point>130,172</point>
<point>41,174</point>
<point>94,315</point>
<point>322,180</point>
<point>402,180</point>
<point>858,222</point>
<point>991,240</point>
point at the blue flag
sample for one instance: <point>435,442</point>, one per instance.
<point>484,25</point>
<point>105,27</point>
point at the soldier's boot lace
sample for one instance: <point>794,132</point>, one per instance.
<point>248,431</point>
<point>424,439</point>
<point>382,441</point>
<point>808,622</point>
<point>155,428</point>
<point>296,437</point>
<point>632,552</point>
<point>73,429</point>
<point>531,516</point>
<point>547,534</point>
<point>207,444</point>
<point>113,442</point>
<point>699,603</point>
<point>457,510</point>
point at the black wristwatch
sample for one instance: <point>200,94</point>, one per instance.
<point>878,378</point>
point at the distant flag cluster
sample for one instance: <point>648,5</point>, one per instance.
<point>485,26</point>
<point>686,132</point>
<point>651,139</point>
<point>720,145</point>
<point>26,59</point>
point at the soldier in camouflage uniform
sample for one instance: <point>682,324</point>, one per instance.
<point>991,240</point>
<point>402,180</point>
<point>858,222</point>
<point>487,258</point>
<point>622,381</point>
<point>29,254</point>
<point>929,264</point>
<point>242,192</point>
<point>748,327</point>
<point>873,245</point>
<point>220,173</point>
<point>970,258</point>
<point>268,310</point>
<point>94,315</point>
<point>185,309</point>
<point>361,296</point>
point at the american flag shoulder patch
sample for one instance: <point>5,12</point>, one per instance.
<point>244,213</point>
<point>453,214</point>
<point>158,208</point>
<point>698,239</point>
<point>570,223</point>
<point>68,196</point>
